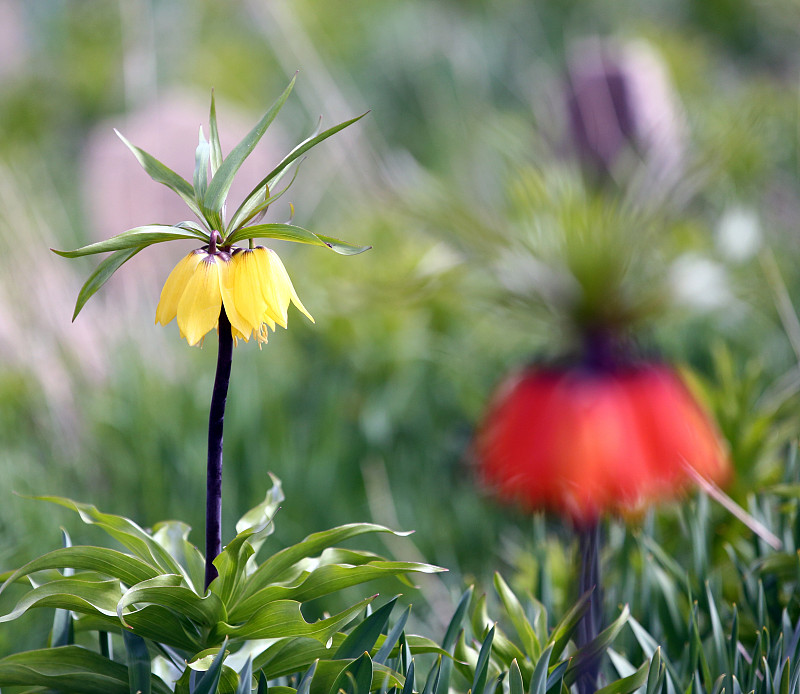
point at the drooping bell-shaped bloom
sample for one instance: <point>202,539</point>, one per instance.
<point>252,285</point>
<point>583,442</point>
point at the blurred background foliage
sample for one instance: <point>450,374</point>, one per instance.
<point>369,413</point>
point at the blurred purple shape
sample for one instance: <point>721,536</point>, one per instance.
<point>625,123</point>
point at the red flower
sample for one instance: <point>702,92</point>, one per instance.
<point>583,442</point>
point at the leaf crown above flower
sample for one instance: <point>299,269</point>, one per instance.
<point>206,197</point>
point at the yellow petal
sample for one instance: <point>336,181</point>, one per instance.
<point>273,304</point>
<point>284,285</point>
<point>199,306</point>
<point>175,285</point>
<point>248,295</point>
<point>239,326</point>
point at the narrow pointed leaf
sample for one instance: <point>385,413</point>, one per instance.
<point>304,687</point>
<point>223,178</point>
<point>201,157</point>
<point>210,679</point>
<point>364,636</point>
<point>138,662</point>
<point>482,668</point>
<point>290,232</point>
<point>268,180</point>
<point>515,685</point>
<point>246,678</point>
<point>255,209</point>
<point>391,638</point>
<point>163,174</point>
<point>539,677</point>
<point>168,592</point>
<point>356,678</point>
<point>102,274</point>
<point>629,684</point>
<point>408,687</point>
<point>213,138</point>
<point>138,237</point>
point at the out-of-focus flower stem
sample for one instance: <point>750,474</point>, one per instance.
<point>214,469</point>
<point>591,624</point>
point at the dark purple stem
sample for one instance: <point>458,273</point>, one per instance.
<point>214,470</point>
<point>591,624</point>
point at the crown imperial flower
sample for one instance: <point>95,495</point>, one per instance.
<point>250,285</point>
<point>582,442</point>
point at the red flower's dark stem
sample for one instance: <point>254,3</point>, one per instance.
<point>214,469</point>
<point>591,624</point>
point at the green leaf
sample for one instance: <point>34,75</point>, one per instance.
<point>168,592</point>
<point>102,274</point>
<point>210,679</point>
<point>356,678</point>
<point>482,668</point>
<point>515,685</point>
<point>163,174</point>
<point>268,181</point>
<point>392,637</point>
<point>138,663</point>
<point>220,184</point>
<point>363,637</point>
<point>290,232</point>
<point>451,635</point>
<point>71,593</point>
<point>109,562</point>
<point>539,676</point>
<point>201,158</point>
<point>629,684</point>
<point>276,566</point>
<point>138,237</point>
<point>325,580</point>
<point>213,137</point>
<point>72,669</point>
<point>408,687</point>
<point>254,208</point>
<point>305,683</point>
<point>123,530</point>
<point>564,630</point>
<point>284,618</point>
<point>246,678</point>
<point>173,536</point>
<point>596,647</point>
<point>516,613</point>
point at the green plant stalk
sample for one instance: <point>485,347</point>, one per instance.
<point>589,581</point>
<point>216,419</point>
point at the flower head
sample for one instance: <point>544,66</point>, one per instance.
<point>252,285</point>
<point>583,442</point>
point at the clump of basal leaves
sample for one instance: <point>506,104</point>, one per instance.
<point>147,613</point>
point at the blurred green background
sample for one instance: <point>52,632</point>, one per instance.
<point>367,415</point>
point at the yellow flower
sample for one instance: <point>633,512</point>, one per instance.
<point>252,285</point>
